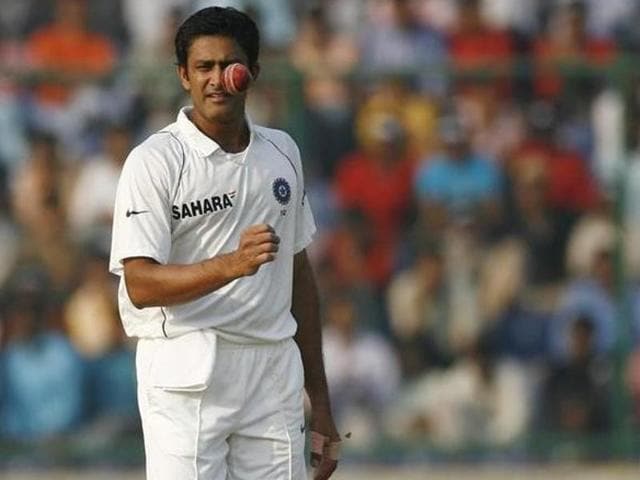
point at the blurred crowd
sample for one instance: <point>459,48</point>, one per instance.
<point>473,167</point>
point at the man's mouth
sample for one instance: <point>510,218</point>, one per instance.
<point>217,96</point>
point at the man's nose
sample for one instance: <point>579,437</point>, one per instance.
<point>215,77</point>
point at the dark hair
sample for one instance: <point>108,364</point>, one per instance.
<point>227,22</point>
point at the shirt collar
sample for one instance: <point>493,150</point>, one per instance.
<point>198,140</point>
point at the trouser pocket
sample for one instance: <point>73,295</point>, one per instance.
<point>174,383</point>
<point>173,420</point>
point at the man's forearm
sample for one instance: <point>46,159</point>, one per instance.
<point>150,284</point>
<point>305,308</point>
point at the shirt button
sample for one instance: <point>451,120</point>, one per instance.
<point>228,155</point>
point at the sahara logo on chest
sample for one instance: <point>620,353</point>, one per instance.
<point>205,206</point>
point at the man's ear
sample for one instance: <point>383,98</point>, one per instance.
<point>255,71</point>
<point>183,75</point>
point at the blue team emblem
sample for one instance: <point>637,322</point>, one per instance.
<point>281,190</point>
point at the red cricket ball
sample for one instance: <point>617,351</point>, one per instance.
<point>236,78</point>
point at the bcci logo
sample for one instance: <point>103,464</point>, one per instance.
<point>281,190</point>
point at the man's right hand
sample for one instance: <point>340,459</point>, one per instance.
<point>258,245</point>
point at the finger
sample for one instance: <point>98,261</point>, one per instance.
<point>267,237</point>
<point>318,442</point>
<point>260,228</point>
<point>260,238</point>
<point>325,469</point>
<point>265,258</point>
<point>266,248</point>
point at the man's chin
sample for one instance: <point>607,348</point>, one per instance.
<point>219,113</point>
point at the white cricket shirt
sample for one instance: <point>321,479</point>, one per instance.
<point>181,199</point>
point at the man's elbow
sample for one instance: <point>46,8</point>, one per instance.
<point>136,280</point>
<point>139,300</point>
<point>139,296</point>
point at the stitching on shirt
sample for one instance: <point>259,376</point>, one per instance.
<point>164,321</point>
<point>285,156</point>
<point>304,191</point>
<point>184,159</point>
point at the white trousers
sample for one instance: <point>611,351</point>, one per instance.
<point>214,410</point>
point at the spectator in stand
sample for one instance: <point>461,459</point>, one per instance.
<point>362,370</point>
<point>68,53</point>
<point>543,229</point>
<point>418,302</point>
<point>516,325</point>
<point>376,180</point>
<point>594,232</point>
<point>344,257</point>
<point>39,207</point>
<point>495,121</point>
<point>594,292</point>
<point>92,324</point>
<point>566,44</point>
<point>37,185</point>
<point>94,191</point>
<point>319,50</point>
<point>474,44</point>
<point>459,193</point>
<point>398,43</point>
<point>577,390</point>
<point>325,58</point>
<point>457,185</point>
<point>480,400</point>
<point>418,114</point>
<point>66,57</point>
<point>152,63</point>
<point>571,187</point>
<point>343,266</point>
<point>596,235</point>
<point>41,376</point>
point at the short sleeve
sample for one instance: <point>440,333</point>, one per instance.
<point>141,218</point>
<point>305,223</point>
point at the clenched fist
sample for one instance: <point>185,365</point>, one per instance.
<point>258,245</point>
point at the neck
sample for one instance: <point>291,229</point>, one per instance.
<point>232,136</point>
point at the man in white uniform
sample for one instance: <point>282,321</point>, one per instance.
<point>210,228</point>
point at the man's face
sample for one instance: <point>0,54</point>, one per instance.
<point>202,78</point>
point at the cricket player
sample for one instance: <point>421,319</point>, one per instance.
<point>210,228</point>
